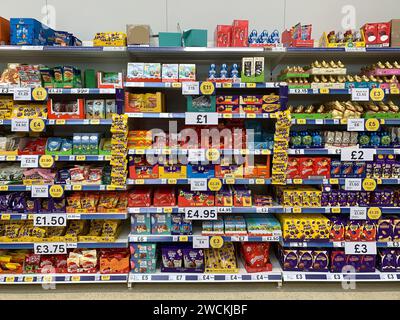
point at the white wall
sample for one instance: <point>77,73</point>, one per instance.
<point>86,17</point>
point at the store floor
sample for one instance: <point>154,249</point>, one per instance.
<point>387,291</point>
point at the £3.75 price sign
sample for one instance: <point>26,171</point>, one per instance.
<point>201,213</point>
<point>50,248</point>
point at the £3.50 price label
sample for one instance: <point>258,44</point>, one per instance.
<point>50,248</point>
<point>201,118</point>
<point>360,248</point>
<point>50,220</point>
<point>350,154</point>
<point>201,213</point>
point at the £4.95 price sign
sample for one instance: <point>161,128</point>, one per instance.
<point>201,213</point>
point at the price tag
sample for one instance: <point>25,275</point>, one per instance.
<point>374,213</point>
<point>39,94</point>
<point>350,154</point>
<point>334,276</point>
<point>46,161</point>
<point>214,184</point>
<point>80,91</point>
<point>56,191</point>
<point>37,125</point>
<point>360,248</point>
<point>50,248</point>
<point>200,242</point>
<point>225,210</point>
<point>22,94</point>
<point>353,185</point>
<point>354,49</point>
<point>358,213</point>
<point>201,213</point>
<point>190,88</point>
<point>216,242</point>
<point>298,91</point>
<point>355,125</point>
<point>50,220</point>
<point>40,191</point>
<point>29,161</point>
<point>197,155</point>
<point>198,184</point>
<point>360,94</point>
<point>207,88</point>
<point>372,125</point>
<point>201,118</point>
<point>377,94</point>
<point>20,125</point>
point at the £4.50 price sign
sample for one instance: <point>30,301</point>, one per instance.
<point>201,213</point>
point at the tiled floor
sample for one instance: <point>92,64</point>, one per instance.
<point>205,291</point>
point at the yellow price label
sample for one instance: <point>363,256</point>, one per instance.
<point>335,210</point>
<point>77,187</point>
<point>265,152</point>
<point>207,88</point>
<point>37,125</point>
<point>75,278</point>
<point>334,181</point>
<point>46,161</point>
<point>183,238</point>
<point>379,181</point>
<point>139,181</point>
<point>39,94</point>
<point>230,181</point>
<point>260,181</point>
<point>56,191</point>
<point>301,121</point>
<point>296,210</point>
<point>324,91</point>
<point>3,188</point>
<point>140,151</point>
<point>297,181</point>
<point>166,151</point>
<point>244,152</point>
<point>10,279</point>
<point>167,210</point>
<point>107,158</point>
<point>372,125</point>
<point>251,85</point>
<point>111,188</point>
<point>31,216</point>
<point>377,94</point>
<point>343,121</point>
<point>369,184</point>
<point>5,217</point>
<point>374,213</point>
<point>172,181</point>
<point>95,121</point>
<point>251,115</point>
<point>60,122</point>
<point>11,158</point>
<point>176,85</point>
<point>28,279</point>
<point>212,155</point>
<point>105,278</point>
<point>80,158</point>
<point>214,184</point>
<point>216,242</point>
<point>382,121</point>
<point>394,90</point>
<point>227,115</point>
<point>226,85</point>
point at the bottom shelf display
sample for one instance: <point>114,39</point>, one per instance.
<point>62,278</point>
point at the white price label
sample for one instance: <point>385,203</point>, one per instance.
<point>295,276</point>
<point>352,185</point>
<point>262,209</point>
<point>334,276</point>
<point>355,125</point>
<point>298,91</point>
<point>360,247</point>
<point>200,242</point>
<point>20,125</point>
<point>32,48</point>
<point>393,244</point>
<point>201,118</point>
<point>239,238</point>
<point>197,155</point>
<point>190,88</point>
<point>50,220</point>
<point>198,185</point>
<point>29,161</point>
<point>80,91</point>
<point>201,213</point>
<point>225,210</point>
<point>350,154</point>
<point>114,49</point>
<point>360,94</point>
<point>40,191</point>
<point>388,276</point>
<point>22,94</point>
<point>50,248</point>
<point>357,213</point>
<point>55,91</point>
<point>354,49</point>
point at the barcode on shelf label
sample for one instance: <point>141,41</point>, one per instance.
<point>198,184</point>
<point>191,88</point>
<point>352,185</point>
<point>360,94</point>
<point>350,154</point>
<point>201,242</point>
<point>360,248</point>
<point>358,213</point>
<point>40,191</point>
<point>355,125</point>
<point>20,125</point>
<point>50,248</point>
<point>29,161</point>
<point>201,213</point>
